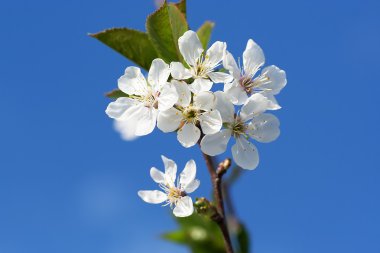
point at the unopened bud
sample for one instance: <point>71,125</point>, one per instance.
<point>206,208</point>
<point>223,166</point>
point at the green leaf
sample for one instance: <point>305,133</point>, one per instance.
<point>204,33</point>
<point>133,44</point>
<point>114,94</point>
<point>164,27</point>
<point>199,233</point>
<point>243,239</point>
<point>181,5</point>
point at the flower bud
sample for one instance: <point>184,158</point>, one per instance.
<point>223,166</point>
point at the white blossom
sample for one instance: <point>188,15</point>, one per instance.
<point>175,195</point>
<point>269,82</point>
<point>201,66</point>
<point>145,97</point>
<point>188,113</point>
<point>250,122</point>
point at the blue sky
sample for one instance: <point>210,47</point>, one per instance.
<point>68,183</point>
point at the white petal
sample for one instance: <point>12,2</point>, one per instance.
<point>215,144</point>
<point>169,120</point>
<point>184,207</point>
<point>183,91</point>
<point>205,100</point>
<point>220,77</point>
<point>170,170</point>
<point>188,135</point>
<point>255,105</point>
<point>126,128</point>
<point>211,122</point>
<point>224,106</point>
<point>245,154</point>
<point>188,173</point>
<point>152,197</point>
<point>192,186</point>
<point>146,121</point>
<point>179,71</point>
<point>157,176</point>
<point>133,82</point>
<point>229,63</point>
<point>118,108</point>
<point>236,93</point>
<point>215,53</point>
<point>200,84</point>
<point>277,79</point>
<point>253,58</point>
<point>274,104</point>
<point>190,47</point>
<point>264,128</point>
<point>158,74</point>
<point>167,98</point>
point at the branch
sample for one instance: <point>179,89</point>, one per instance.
<point>216,180</point>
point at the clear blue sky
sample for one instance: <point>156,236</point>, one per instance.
<point>68,183</point>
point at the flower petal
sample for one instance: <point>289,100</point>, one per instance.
<point>133,82</point>
<point>277,80</point>
<point>211,122</point>
<point>255,105</point>
<point>146,121</point>
<point>183,91</point>
<point>188,135</point>
<point>215,53</point>
<point>190,47</point>
<point>264,128</point>
<point>192,186</point>
<point>224,106</point>
<point>170,170</point>
<point>205,100</point>
<point>229,63</point>
<point>220,77</point>
<point>188,173</point>
<point>245,154</point>
<point>158,74</point>
<point>157,176</point>
<point>169,120</point>
<point>167,98</point>
<point>179,71</point>
<point>200,84</point>
<point>253,58</point>
<point>236,93</point>
<point>118,109</point>
<point>184,207</point>
<point>272,99</point>
<point>153,197</point>
<point>216,144</point>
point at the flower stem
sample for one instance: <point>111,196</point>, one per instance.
<point>216,180</point>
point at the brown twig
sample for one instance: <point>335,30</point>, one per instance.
<point>216,180</point>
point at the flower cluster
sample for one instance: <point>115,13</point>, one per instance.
<point>177,97</point>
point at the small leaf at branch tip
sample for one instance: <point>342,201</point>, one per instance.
<point>114,94</point>
<point>204,33</point>
<point>133,44</point>
<point>164,27</point>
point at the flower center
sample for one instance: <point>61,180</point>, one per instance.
<point>174,194</point>
<point>190,114</point>
<point>250,85</point>
<point>247,83</point>
<point>202,68</point>
<point>150,99</point>
<point>237,127</point>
